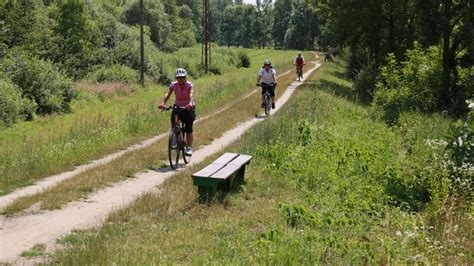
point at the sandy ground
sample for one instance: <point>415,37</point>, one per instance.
<point>21,233</point>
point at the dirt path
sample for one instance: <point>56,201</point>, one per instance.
<point>22,233</point>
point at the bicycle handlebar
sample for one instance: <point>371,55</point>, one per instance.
<point>268,85</point>
<point>169,107</point>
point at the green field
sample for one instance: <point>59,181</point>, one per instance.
<point>328,184</point>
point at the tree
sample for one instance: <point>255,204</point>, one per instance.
<point>282,15</point>
<point>263,22</point>
<point>228,27</point>
<point>154,17</point>
<point>78,36</point>
<point>303,26</point>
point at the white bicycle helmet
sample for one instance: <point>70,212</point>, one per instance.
<point>267,62</point>
<point>180,72</point>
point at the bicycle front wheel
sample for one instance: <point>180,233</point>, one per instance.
<point>173,149</point>
<point>267,105</point>
<point>186,158</point>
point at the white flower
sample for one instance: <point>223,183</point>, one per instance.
<point>470,104</point>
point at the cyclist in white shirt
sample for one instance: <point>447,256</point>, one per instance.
<point>267,80</point>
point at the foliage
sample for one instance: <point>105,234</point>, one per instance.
<point>281,22</point>
<point>12,105</point>
<point>413,84</point>
<point>113,73</point>
<point>39,81</point>
<point>78,36</point>
<point>364,83</point>
<point>303,26</point>
<point>244,60</point>
<point>154,17</point>
<point>460,149</point>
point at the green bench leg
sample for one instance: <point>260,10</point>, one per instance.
<point>239,176</point>
<point>225,186</point>
<point>206,193</point>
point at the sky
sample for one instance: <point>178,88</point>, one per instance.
<point>249,1</point>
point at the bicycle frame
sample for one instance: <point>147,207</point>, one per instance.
<point>267,97</point>
<point>299,71</point>
<point>177,130</point>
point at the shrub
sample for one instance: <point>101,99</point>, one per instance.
<point>412,85</point>
<point>40,81</point>
<point>244,60</point>
<point>10,103</point>
<point>460,149</point>
<point>364,83</point>
<point>113,73</point>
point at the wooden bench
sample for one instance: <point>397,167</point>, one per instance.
<point>217,175</point>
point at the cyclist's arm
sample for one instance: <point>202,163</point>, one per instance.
<point>191,97</point>
<point>167,96</point>
<point>258,79</point>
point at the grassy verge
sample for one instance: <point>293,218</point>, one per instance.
<point>100,124</point>
<point>150,157</point>
<point>327,184</point>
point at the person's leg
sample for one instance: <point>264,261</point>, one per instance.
<point>272,94</point>
<point>189,139</point>
<point>188,120</point>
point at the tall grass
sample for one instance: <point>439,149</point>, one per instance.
<point>99,124</point>
<point>328,184</point>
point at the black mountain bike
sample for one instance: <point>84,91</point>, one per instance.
<point>177,138</point>
<point>267,98</point>
<point>299,72</point>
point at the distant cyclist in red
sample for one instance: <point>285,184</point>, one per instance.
<point>299,62</point>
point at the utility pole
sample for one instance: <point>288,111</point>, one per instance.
<point>206,49</point>
<point>142,47</point>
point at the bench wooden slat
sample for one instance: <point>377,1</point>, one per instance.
<point>227,171</point>
<point>226,158</point>
<point>209,170</point>
<point>241,160</point>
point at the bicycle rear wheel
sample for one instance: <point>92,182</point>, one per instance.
<point>173,149</point>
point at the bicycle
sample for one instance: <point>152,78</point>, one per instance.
<point>177,138</point>
<point>299,72</point>
<point>267,98</point>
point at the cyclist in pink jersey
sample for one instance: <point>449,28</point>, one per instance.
<point>183,91</point>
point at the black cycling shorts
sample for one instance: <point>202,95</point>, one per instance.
<point>187,116</point>
<point>269,87</point>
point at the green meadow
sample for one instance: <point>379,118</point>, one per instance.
<point>328,184</point>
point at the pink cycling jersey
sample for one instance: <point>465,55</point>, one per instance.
<point>182,93</point>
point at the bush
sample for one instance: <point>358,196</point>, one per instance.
<point>460,149</point>
<point>113,73</point>
<point>412,85</point>
<point>40,81</point>
<point>10,103</point>
<point>364,83</point>
<point>12,106</point>
<point>244,60</point>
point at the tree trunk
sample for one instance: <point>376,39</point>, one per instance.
<point>449,63</point>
